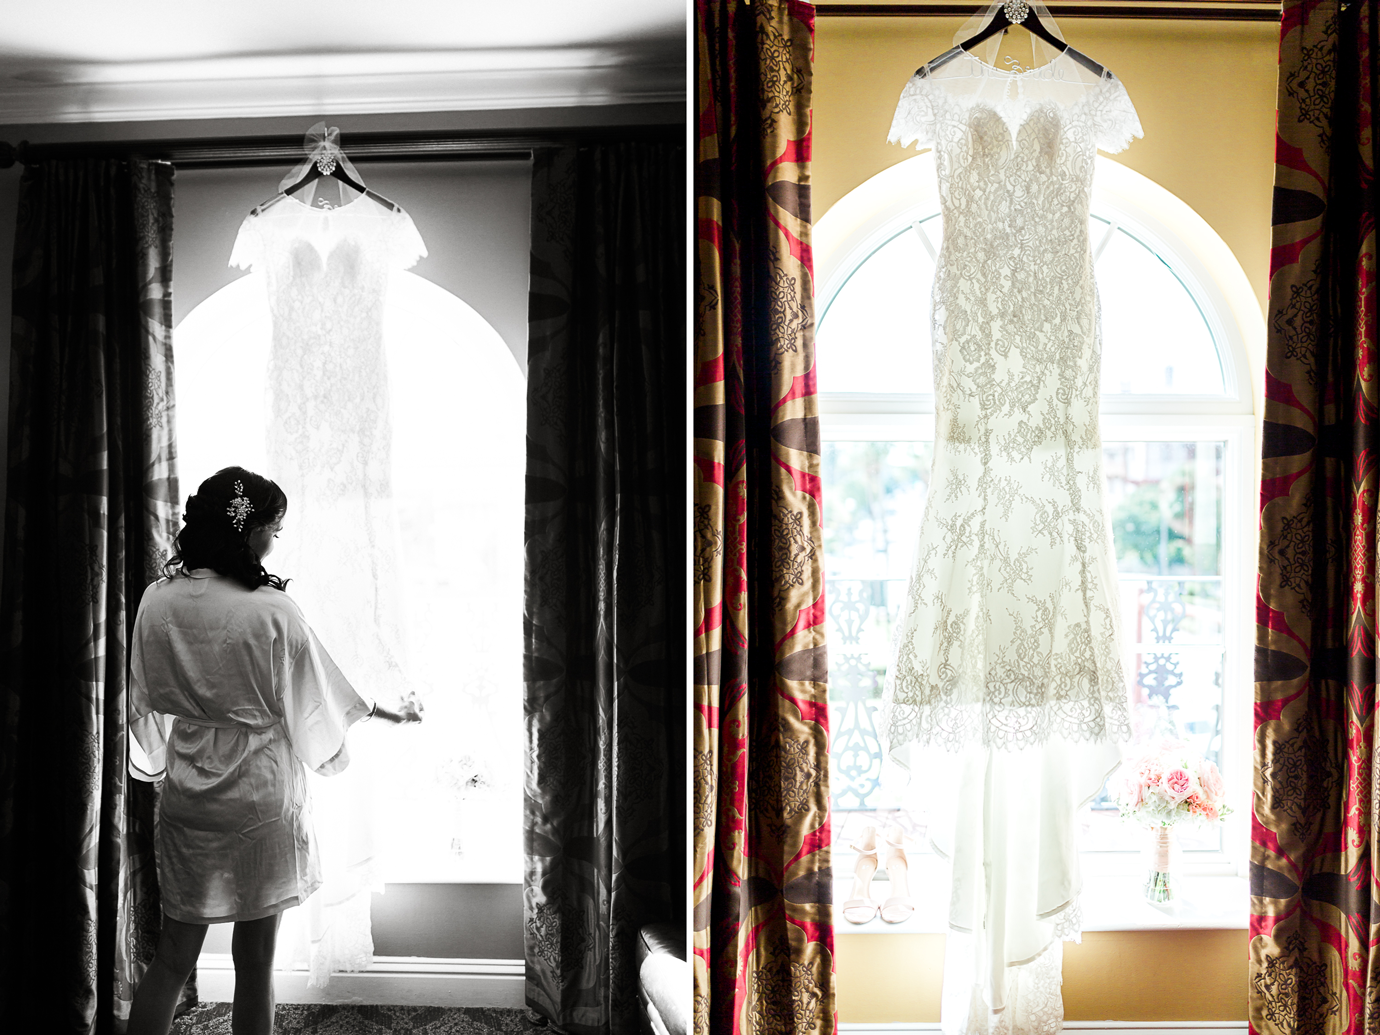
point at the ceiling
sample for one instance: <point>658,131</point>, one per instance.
<point>116,60</point>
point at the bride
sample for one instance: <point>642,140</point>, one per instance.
<point>231,695</point>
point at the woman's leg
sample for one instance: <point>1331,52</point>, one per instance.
<point>156,998</point>
<point>252,948</point>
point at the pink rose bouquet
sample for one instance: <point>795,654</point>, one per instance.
<point>1167,785</point>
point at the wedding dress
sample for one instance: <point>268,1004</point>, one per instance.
<point>1006,693</point>
<point>328,442</point>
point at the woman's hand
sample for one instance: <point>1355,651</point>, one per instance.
<point>410,710</point>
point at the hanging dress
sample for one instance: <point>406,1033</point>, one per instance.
<point>329,431</point>
<point>1006,693</point>
<point>328,444</point>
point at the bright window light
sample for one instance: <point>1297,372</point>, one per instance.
<point>457,401</point>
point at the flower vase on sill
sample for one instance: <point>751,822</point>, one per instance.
<point>1163,787</point>
<point>463,775</point>
<point>1160,882</point>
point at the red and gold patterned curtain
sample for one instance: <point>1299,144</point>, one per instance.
<point>1315,927</point>
<point>763,935</point>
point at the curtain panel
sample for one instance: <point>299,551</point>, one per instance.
<point>604,613</point>
<point>763,934</point>
<point>1314,948</point>
<point>89,519</point>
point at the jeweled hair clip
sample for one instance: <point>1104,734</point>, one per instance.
<point>240,508</point>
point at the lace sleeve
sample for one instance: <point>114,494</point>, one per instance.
<point>249,247</point>
<point>407,245</point>
<point>1115,121</point>
<point>914,118</point>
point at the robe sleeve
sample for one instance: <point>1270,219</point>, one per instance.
<point>319,706</point>
<point>148,729</point>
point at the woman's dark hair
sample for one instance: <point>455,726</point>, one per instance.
<point>216,528</point>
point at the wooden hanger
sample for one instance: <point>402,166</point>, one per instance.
<point>999,23</point>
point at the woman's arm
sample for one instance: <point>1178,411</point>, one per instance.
<point>410,710</point>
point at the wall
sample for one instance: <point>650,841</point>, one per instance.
<point>472,215</point>
<point>1205,93</point>
<point>1112,975</point>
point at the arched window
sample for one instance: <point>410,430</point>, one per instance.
<point>1177,317</point>
<point>452,382</point>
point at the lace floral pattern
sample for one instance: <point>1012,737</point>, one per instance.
<point>1009,633</point>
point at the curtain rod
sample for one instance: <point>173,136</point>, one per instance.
<point>1199,12</point>
<point>361,147</point>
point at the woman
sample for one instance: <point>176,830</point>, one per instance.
<point>230,695</point>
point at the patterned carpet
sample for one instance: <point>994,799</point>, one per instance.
<point>302,1019</point>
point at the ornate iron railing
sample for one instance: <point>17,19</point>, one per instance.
<point>862,614</point>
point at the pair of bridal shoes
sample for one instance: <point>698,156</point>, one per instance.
<point>898,907</point>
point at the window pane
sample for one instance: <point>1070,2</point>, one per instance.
<point>1165,505</point>
<point>1155,340</point>
<point>874,333</point>
<point>874,336</point>
<point>872,509</point>
<point>876,492</point>
<point>1155,611</point>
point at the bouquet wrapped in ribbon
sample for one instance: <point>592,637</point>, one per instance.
<point>1164,786</point>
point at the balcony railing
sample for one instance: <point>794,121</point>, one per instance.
<point>1172,627</point>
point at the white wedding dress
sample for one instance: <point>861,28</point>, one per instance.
<point>328,439</point>
<point>1006,694</point>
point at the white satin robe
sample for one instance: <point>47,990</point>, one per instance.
<point>231,694</point>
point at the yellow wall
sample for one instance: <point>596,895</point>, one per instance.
<point>1205,93</point>
<point>1111,976</point>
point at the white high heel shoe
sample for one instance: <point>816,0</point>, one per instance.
<point>859,907</point>
<point>899,905</point>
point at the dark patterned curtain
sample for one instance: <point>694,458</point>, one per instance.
<point>1315,958</point>
<point>605,585</point>
<point>764,943</point>
<point>89,517</point>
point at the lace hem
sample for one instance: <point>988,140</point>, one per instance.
<point>1104,717</point>
<point>1034,1003</point>
<point>1068,925</point>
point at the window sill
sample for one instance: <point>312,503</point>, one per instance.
<point>1111,902</point>
<point>390,980</point>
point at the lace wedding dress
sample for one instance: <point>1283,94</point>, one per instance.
<point>329,445</point>
<point>1006,692</point>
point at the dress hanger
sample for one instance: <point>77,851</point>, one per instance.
<point>324,164</point>
<point>1013,12</point>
